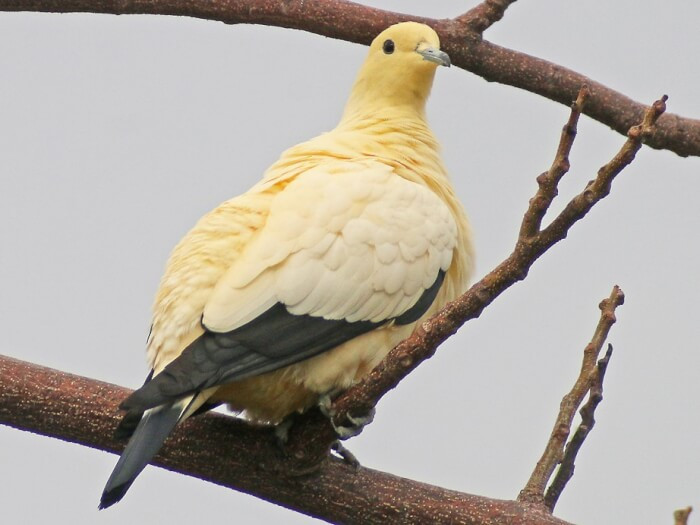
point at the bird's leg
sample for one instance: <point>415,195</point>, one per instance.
<point>325,405</point>
<point>347,456</point>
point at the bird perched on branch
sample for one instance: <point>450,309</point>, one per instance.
<point>299,287</point>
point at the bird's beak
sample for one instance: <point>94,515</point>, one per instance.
<point>432,54</point>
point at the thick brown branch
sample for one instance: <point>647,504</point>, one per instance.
<point>461,37</point>
<point>534,491</point>
<point>506,66</point>
<point>228,452</point>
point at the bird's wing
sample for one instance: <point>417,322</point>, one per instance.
<point>347,247</point>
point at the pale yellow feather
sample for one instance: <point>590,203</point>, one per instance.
<point>253,249</point>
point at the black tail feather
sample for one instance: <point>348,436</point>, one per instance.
<point>127,426</point>
<point>147,439</point>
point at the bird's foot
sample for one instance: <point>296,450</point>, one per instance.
<point>357,423</point>
<point>347,456</point>
<point>356,426</point>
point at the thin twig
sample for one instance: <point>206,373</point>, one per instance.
<point>549,180</point>
<point>681,516</point>
<point>534,490</point>
<point>566,469</point>
<point>357,23</point>
<point>599,188</point>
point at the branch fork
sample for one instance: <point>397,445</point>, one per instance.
<point>590,381</point>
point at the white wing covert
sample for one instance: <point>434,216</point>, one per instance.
<point>348,240</point>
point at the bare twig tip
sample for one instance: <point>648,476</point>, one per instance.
<point>660,105</point>
<point>617,296</point>
<point>590,381</point>
<point>681,515</point>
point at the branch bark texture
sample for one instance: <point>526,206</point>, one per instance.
<point>227,452</point>
<point>461,37</point>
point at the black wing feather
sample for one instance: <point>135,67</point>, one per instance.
<point>271,341</point>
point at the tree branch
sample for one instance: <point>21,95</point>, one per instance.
<point>230,453</point>
<point>461,37</point>
<point>589,380</point>
<point>566,469</point>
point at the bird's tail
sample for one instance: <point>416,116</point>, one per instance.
<point>156,424</point>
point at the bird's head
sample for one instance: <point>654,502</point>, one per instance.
<point>399,69</point>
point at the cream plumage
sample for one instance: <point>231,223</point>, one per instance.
<point>301,286</point>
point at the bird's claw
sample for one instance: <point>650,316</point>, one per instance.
<point>357,424</point>
<point>347,456</point>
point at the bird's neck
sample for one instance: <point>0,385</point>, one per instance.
<point>361,116</point>
<point>375,92</point>
<point>393,134</point>
<point>358,110</point>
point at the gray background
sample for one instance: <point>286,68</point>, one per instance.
<point>117,133</point>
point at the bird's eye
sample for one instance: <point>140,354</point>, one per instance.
<point>388,47</point>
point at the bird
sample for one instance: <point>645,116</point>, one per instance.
<point>298,288</point>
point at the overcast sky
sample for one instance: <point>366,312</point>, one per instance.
<point>117,133</point>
